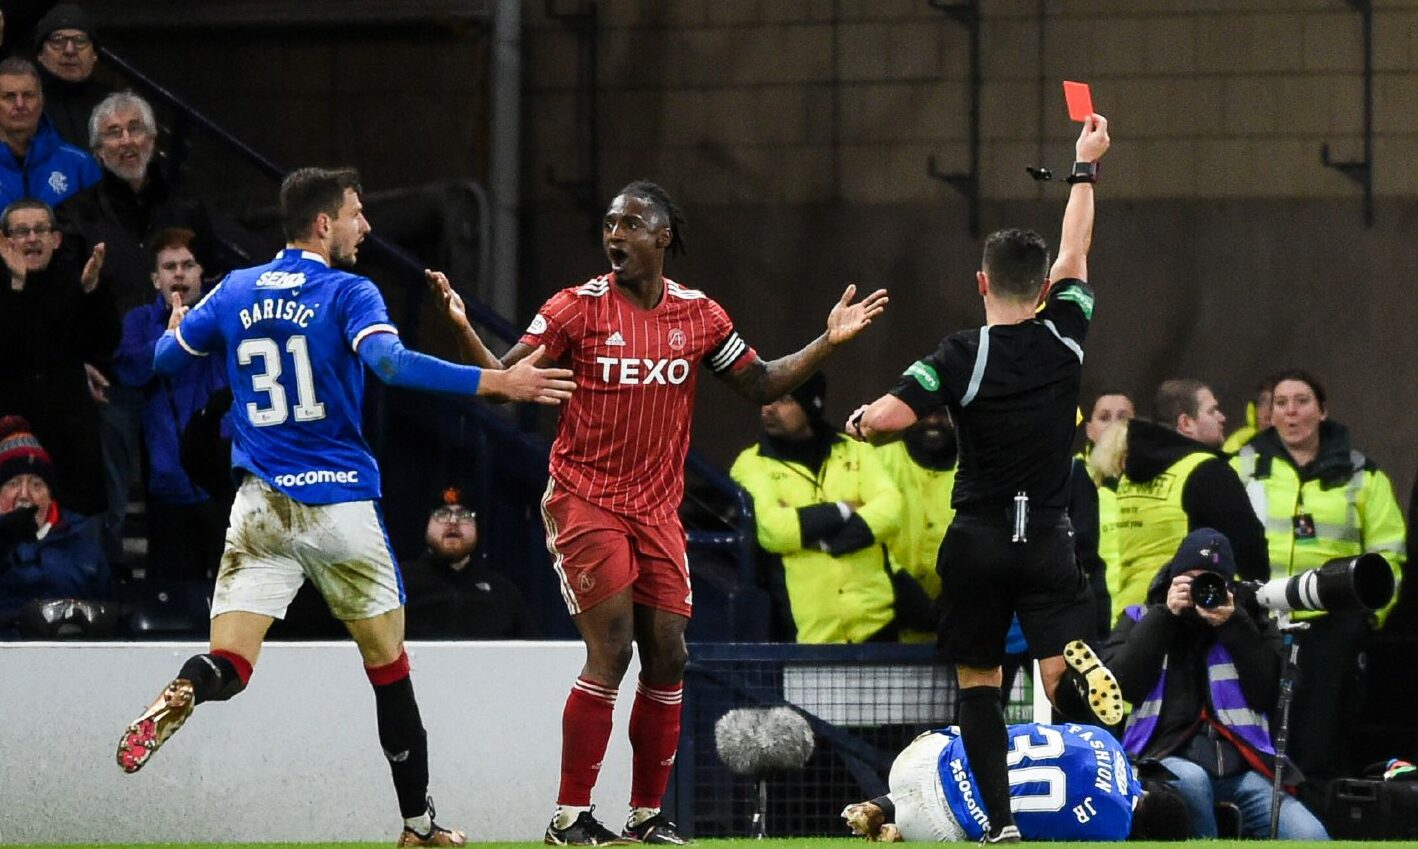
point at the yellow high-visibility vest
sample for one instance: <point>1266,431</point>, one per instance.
<point>1151,526</point>
<point>1360,515</point>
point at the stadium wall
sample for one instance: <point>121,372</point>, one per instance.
<point>296,756</point>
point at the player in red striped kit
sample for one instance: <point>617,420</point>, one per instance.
<point>634,340</point>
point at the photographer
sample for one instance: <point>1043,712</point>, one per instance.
<point>1201,672</point>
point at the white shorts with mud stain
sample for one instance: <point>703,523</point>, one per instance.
<point>274,543</point>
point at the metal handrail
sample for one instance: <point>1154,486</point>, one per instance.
<point>477,310</point>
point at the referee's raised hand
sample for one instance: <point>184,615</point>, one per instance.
<point>1093,139</point>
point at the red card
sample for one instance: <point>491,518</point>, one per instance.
<point>1080,101</point>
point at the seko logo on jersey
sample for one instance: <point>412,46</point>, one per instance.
<point>639,371</point>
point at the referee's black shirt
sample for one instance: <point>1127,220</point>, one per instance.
<point>1012,390</point>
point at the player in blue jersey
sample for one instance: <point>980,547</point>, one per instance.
<point>1066,782</point>
<point>297,334</point>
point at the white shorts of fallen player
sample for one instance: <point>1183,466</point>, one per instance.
<point>274,543</point>
<point>921,812</point>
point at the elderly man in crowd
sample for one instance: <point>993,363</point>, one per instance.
<point>66,50</point>
<point>123,210</point>
<point>34,161</point>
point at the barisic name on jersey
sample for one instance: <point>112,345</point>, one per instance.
<point>282,309</point>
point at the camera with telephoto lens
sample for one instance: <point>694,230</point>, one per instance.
<point>1364,582</point>
<point>1209,590</point>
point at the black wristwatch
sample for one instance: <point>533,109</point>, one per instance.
<point>1083,172</point>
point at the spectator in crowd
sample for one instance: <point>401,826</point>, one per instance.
<point>1320,499</point>
<point>123,210</point>
<point>1110,407</point>
<point>186,526</point>
<point>1173,478</point>
<point>1202,674</point>
<point>55,322</point>
<point>134,199</point>
<point>921,466</point>
<point>34,161</point>
<point>453,594</point>
<point>67,52</point>
<point>826,505</point>
<point>46,552</point>
<point>1257,417</point>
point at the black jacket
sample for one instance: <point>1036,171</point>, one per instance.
<point>1083,515</point>
<point>1213,496</point>
<point>69,105</point>
<point>1134,652</point>
<point>111,212</point>
<point>474,603</point>
<point>48,331</point>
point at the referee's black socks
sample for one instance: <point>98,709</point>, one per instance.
<point>986,740</point>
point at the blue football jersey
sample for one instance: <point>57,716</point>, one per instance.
<point>1066,782</point>
<point>289,331</point>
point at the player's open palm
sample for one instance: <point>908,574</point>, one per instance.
<point>525,381</point>
<point>848,319</point>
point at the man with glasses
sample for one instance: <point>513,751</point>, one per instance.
<point>185,525</point>
<point>123,210</point>
<point>55,320</point>
<point>35,162</point>
<point>66,51</point>
<point>453,593</point>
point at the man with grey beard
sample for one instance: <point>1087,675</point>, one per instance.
<point>133,201</point>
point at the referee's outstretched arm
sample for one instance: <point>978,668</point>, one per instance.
<point>1072,262</point>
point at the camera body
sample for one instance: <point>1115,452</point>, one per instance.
<point>1209,590</point>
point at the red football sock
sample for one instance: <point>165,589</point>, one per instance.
<point>585,731</point>
<point>654,738</point>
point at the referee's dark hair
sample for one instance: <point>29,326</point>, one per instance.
<point>1017,262</point>
<point>1175,398</point>
<point>657,197</point>
<point>307,192</point>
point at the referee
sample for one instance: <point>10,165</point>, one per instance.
<point>1012,389</point>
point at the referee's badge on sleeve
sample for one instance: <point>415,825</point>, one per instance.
<point>925,375</point>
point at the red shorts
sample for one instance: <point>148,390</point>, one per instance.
<point>597,554</point>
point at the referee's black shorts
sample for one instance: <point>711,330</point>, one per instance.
<point>986,579</point>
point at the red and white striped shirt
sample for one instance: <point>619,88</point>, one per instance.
<point>622,438</point>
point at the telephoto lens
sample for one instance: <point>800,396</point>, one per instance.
<point>1209,590</point>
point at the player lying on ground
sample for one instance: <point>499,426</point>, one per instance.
<point>1066,782</point>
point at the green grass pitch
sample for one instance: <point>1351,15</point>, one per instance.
<point>794,843</point>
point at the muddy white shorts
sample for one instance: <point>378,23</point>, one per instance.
<point>273,543</point>
<point>921,811</point>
